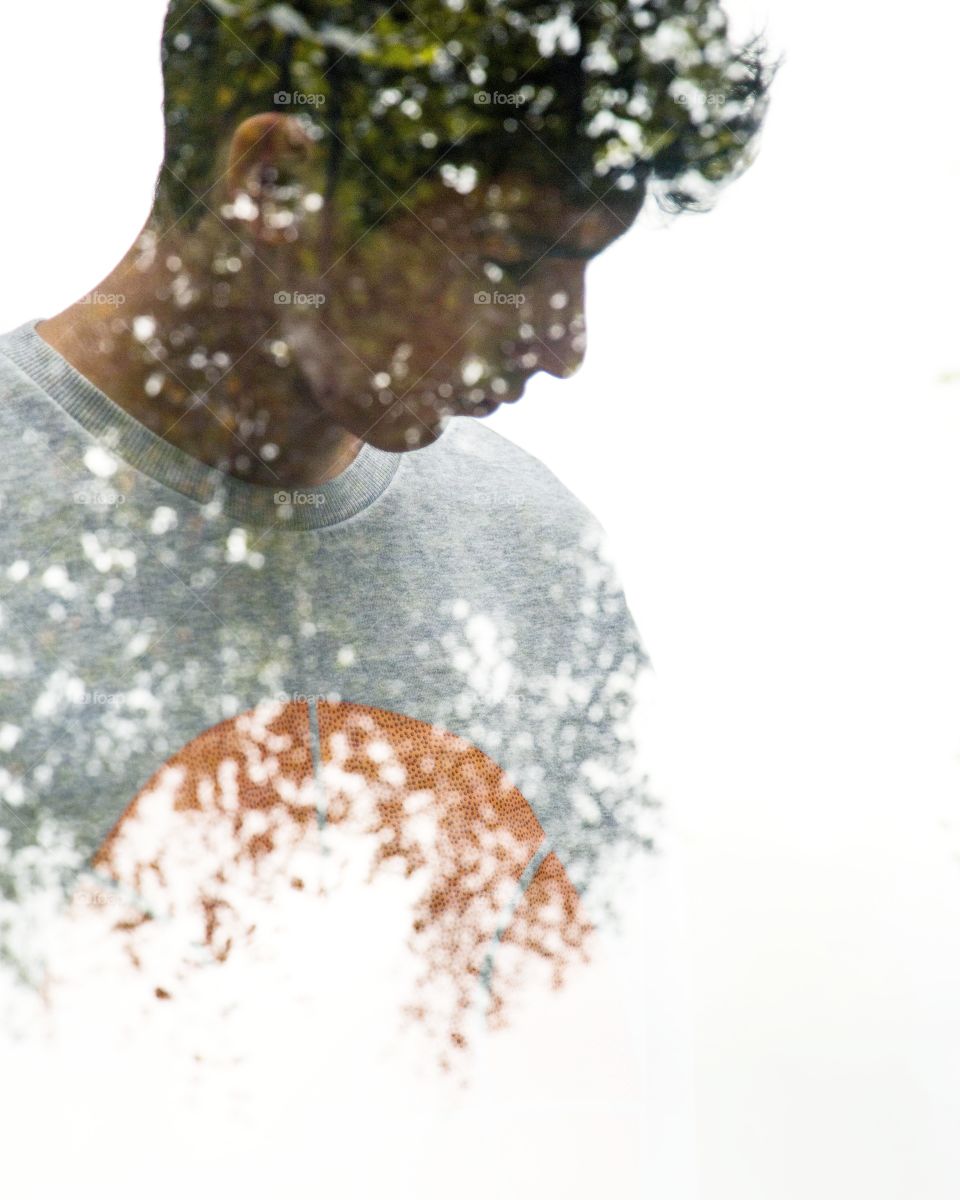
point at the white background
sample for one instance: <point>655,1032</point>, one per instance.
<point>767,425</point>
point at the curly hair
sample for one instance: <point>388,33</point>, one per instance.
<point>633,95</point>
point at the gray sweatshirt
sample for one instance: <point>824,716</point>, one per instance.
<point>432,647</point>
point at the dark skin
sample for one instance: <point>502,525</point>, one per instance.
<point>383,337</point>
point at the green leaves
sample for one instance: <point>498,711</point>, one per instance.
<point>636,94</point>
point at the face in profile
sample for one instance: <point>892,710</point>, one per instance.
<point>446,308</point>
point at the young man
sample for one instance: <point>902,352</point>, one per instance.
<point>273,596</point>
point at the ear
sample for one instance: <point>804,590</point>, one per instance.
<point>260,146</point>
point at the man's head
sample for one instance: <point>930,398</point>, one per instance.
<point>412,192</point>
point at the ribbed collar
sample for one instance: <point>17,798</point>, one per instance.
<point>347,494</point>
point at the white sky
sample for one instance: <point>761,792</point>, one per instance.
<point>764,427</point>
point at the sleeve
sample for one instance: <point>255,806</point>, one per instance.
<point>604,817</point>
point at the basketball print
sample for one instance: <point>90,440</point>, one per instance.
<point>273,803</point>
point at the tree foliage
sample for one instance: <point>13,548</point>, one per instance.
<point>637,95</point>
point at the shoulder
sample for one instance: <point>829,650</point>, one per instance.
<point>517,520</point>
<point>506,480</point>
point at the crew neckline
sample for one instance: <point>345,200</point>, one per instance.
<point>323,505</point>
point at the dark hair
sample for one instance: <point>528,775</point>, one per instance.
<point>632,95</point>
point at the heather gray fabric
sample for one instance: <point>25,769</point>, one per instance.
<point>145,597</point>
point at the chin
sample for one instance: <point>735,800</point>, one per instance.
<point>390,433</point>
<point>392,437</point>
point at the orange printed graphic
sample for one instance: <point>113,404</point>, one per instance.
<point>246,811</point>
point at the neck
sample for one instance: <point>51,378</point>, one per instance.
<point>191,348</point>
